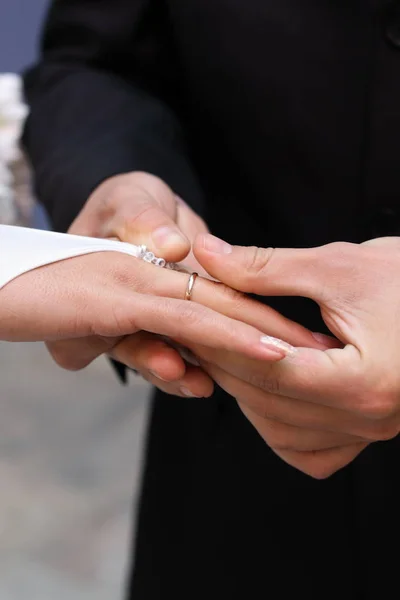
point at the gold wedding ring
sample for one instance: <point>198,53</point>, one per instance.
<point>190,286</point>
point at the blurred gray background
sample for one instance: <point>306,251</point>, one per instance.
<point>70,444</point>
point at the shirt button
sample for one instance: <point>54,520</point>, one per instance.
<point>392,24</point>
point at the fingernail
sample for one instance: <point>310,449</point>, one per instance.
<point>167,236</point>
<point>216,245</point>
<point>157,376</point>
<point>274,343</point>
<point>326,340</point>
<point>186,392</point>
<point>188,356</point>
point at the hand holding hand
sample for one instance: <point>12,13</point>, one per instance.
<point>103,297</point>
<point>352,390</point>
<point>139,208</point>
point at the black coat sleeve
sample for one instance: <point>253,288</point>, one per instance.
<point>101,101</point>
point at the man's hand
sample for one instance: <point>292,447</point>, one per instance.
<point>139,208</point>
<point>352,390</point>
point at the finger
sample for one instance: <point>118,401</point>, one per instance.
<point>149,279</point>
<point>332,378</point>
<point>335,378</point>
<point>146,214</point>
<point>383,243</point>
<point>297,413</point>
<point>187,322</point>
<point>194,384</point>
<point>270,272</point>
<point>121,273</point>
<point>107,282</point>
<point>189,221</point>
<point>227,301</point>
<point>323,464</point>
<point>76,354</point>
<point>162,366</point>
<point>143,351</point>
<point>284,437</point>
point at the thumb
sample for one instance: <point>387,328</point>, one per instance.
<point>264,271</point>
<point>136,208</point>
<point>150,219</point>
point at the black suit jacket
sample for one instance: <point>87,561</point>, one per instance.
<point>279,121</point>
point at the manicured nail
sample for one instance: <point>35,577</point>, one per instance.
<point>157,376</point>
<point>167,236</point>
<point>276,344</point>
<point>186,392</point>
<point>326,340</point>
<point>188,356</point>
<point>216,245</point>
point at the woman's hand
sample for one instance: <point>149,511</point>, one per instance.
<point>140,209</point>
<point>95,300</point>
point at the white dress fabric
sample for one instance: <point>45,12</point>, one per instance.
<point>22,250</point>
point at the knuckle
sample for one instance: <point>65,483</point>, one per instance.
<point>382,431</point>
<point>339,251</point>
<point>236,298</point>
<point>380,406</point>
<point>145,208</point>
<point>128,274</point>
<point>138,216</point>
<point>256,405</point>
<point>149,184</point>
<point>258,260</point>
<point>312,463</point>
<point>118,320</point>
<point>263,410</point>
<point>276,436</point>
<point>340,258</point>
<point>315,464</point>
<point>117,192</point>
<point>322,471</point>
<point>191,315</point>
<point>325,463</point>
<point>268,384</point>
<point>122,277</point>
<point>319,467</point>
<point>280,445</point>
